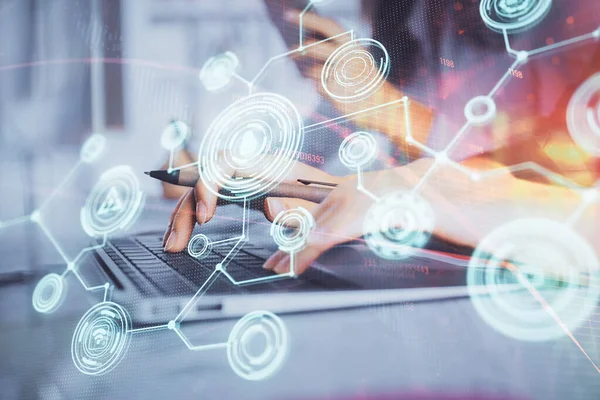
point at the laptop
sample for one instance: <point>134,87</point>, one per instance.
<point>155,286</point>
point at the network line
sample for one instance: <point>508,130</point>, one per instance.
<point>441,157</point>
<point>37,218</point>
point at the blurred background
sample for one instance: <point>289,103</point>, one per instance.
<point>69,68</point>
<point>125,69</point>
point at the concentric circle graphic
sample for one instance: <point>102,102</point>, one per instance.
<point>199,246</point>
<point>174,135</point>
<point>355,70</point>
<point>583,115</point>
<point>93,148</point>
<point>114,203</point>
<point>238,142</point>
<point>49,293</point>
<point>218,71</point>
<point>257,345</point>
<point>358,150</point>
<point>513,16</point>
<point>291,228</point>
<point>480,110</point>
<point>101,338</point>
<point>398,225</point>
<point>548,261</point>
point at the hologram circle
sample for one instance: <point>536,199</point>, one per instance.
<point>101,338</point>
<point>92,148</point>
<point>355,70</point>
<point>583,115</point>
<point>174,135</point>
<point>200,246</point>
<point>218,71</point>
<point>114,203</point>
<point>398,225</point>
<point>358,150</point>
<point>239,142</point>
<point>291,228</point>
<point>513,16</point>
<point>549,266</point>
<point>49,293</point>
<point>253,362</point>
<point>480,110</point>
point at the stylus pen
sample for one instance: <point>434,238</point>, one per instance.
<point>308,190</point>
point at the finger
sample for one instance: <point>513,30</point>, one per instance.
<point>319,240</point>
<point>183,224</point>
<point>274,260</point>
<point>275,205</point>
<point>172,218</point>
<point>316,23</point>
<point>206,202</point>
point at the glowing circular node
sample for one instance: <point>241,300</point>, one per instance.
<point>35,216</point>
<point>257,345</point>
<point>92,148</point>
<point>480,110</point>
<point>552,267</point>
<point>398,225</point>
<point>583,115</point>
<point>49,293</point>
<point>174,135</point>
<point>291,228</point>
<point>522,56</point>
<point>200,246</point>
<point>218,71</point>
<point>513,16</point>
<point>358,150</point>
<point>114,203</point>
<point>355,70</point>
<point>101,338</point>
<point>240,139</point>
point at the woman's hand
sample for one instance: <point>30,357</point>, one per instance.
<point>197,205</point>
<point>461,216</point>
<point>390,123</point>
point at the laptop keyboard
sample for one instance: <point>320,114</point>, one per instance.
<point>150,269</point>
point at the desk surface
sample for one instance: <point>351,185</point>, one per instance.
<point>436,350</point>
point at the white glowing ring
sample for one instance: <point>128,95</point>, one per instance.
<point>583,115</point>
<point>473,112</point>
<point>257,326</point>
<point>553,260</point>
<point>355,70</point>
<point>92,148</point>
<point>239,141</point>
<point>398,225</point>
<point>114,203</point>
<point>513,16</point>
<point>101,338</point>
<point>291,228</point>
<point>358,150</point>
<point>200,246</point>
<point>49,293</point>
<point>174,135</point>
<point>218,71</point>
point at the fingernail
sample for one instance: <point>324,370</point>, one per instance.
<point>171,241</point>
<point>201,212</point>
<point>283,266</point>
<point>269,263</point>
<point>274,207</point>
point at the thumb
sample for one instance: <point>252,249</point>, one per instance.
<point>275,205</point>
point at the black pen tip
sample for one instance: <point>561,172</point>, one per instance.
<point>147,173</point>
